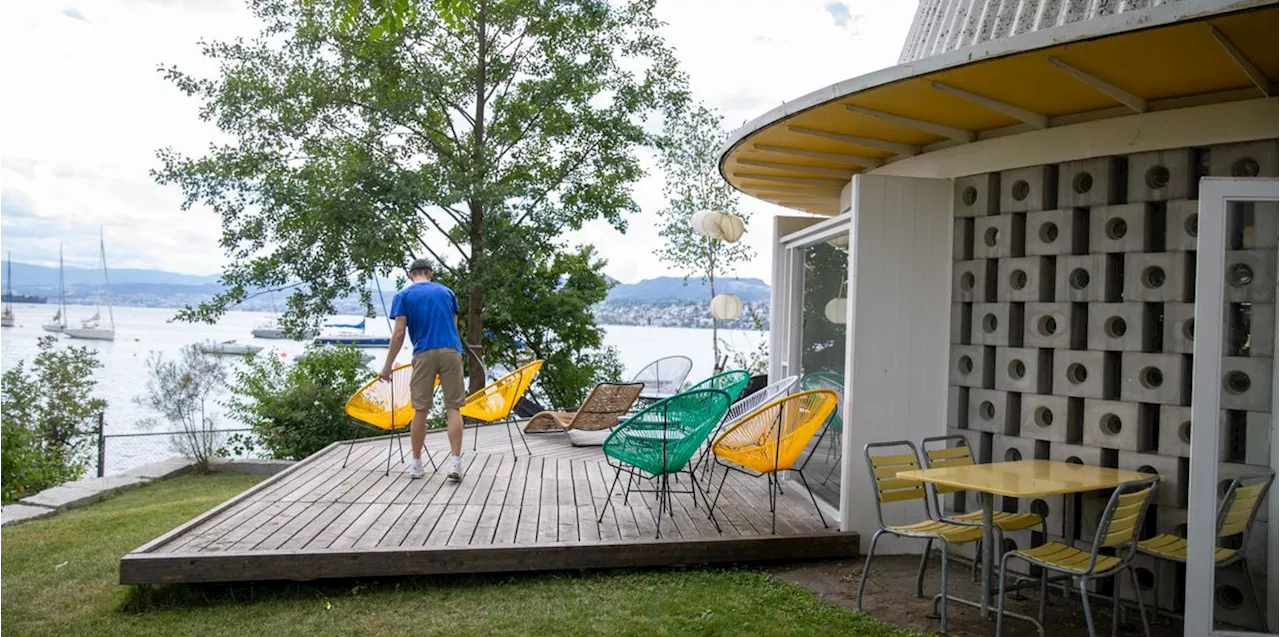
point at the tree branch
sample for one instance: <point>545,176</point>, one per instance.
<point>433,221</point>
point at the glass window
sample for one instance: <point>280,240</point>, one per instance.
<point>821,352</point>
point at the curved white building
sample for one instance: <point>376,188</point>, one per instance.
<point>1030,220</point>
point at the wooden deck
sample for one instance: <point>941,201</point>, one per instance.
<point>525,512</point>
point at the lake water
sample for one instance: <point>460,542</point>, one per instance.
<point>140,331</point>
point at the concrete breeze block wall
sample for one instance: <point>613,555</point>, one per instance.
<point>1073,302</point>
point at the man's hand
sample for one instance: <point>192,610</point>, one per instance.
<point>385,374</point>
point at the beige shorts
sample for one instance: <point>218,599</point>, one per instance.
<point>444,362</point>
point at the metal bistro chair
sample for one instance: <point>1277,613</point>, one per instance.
<point>937,453</point>
<point>1118,529</point>
<point>1236,513</point>
<point>888,488</point>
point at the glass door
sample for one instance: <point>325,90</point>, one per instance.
<point>1232,517</point>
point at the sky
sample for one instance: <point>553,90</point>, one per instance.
<point>83,109</point>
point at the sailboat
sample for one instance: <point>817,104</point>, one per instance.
<point>91,328</point>
<point>6,317</point>
<point>58,323</point>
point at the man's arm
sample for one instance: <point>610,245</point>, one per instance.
<point>397,341</point>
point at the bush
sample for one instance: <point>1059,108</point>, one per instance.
<point>296,409</point>
<point>567,377</point>
<point>181,392</point>
<point>49,418</point>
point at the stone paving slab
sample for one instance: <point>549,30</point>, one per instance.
<point>15,513</point>
<point>63,498</point>
<point>162,470</point>
<point>109,485</point>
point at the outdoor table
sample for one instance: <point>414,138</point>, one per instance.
<point>1018,479</point>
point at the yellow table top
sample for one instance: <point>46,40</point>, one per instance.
<point>1026,478</point>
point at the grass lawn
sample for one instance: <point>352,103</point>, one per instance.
<point>60,577</point>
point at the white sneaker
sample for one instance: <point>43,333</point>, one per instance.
<point>415,469</point>
<point>454,466</point>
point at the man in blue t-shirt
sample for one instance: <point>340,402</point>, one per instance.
<point>429,312</point>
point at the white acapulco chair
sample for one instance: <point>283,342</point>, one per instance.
<point>744,408</point>
<point>664,377</point>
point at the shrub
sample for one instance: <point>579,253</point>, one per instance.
<point>49,417</point>
<point>297,409</point>
<point>181,392</point>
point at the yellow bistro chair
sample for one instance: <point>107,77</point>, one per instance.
<point>1118,530</point>
<point>1239,507</point>
<point>954,451</point>
<point>497,401</point>
<point>386,406</point>
<point>889,487</point>
<point>770,440</point>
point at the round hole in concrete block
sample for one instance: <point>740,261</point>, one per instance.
<point>1008,544</point>
<point>1148,469</point>
<point>969,196</point>
<point>1223,487</point>
<point>1192,224</point>
<point>1078,279</point>
<point>1012,455</point>
<point>991,237</point>
<point>1040,508</point>
<point>1180,530</point>
<point>1115,327</point>
<point>1018,279</point>
<point>1074,460</point>
<point>1048,232</point>
<point>965,365</point>
<point>987,410</point>
<point>1116,228</point>
<point>1184,432</point>
<point>1151,377</point>
<point>990,323</point>
<point>1239,275</point>
<point>1082,183</point>
<point>1153,277</point>
<point>1236,382</point>
<point>1189,329</point>
<point>1245,167</point>
<point>1017,369</point>
<point>1047,326</point>
<point>1146,579</point>
<point>1043,417</point>
<point>1110,424</point>
<point>1157,177</point>
<point>1228,596</point>
<point>967,281</point>
<point>1021,190</point>
<point>1077,373</point>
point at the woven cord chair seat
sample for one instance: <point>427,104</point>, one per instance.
<point>372,403</point>
<point>550,421</point>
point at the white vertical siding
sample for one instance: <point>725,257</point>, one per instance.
<point>896,370</point>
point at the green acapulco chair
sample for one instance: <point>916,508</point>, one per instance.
<point>661,440</point>
<point>835,382</point>
<point>732,383</point>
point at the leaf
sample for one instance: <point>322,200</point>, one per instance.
<point>327,605</point>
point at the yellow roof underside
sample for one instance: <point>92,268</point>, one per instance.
<point>1170,61</point>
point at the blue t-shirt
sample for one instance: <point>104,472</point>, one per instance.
<point>429,310</point>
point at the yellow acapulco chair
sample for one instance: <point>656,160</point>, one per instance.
<point>954,451</point>
<point>386,406</point>
<point>1118,530</point>
<point>770,440</point>
<point>1236,513</point>
<point>884,468</point>
<point>497,401</point>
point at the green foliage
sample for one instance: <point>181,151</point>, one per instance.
<point>755,360</point>
<point>692,182</point>
<point>49,415</point>
<point>826,268</point>
<point>180,392</point>
<point>297,409</point>
<point>361,131</point>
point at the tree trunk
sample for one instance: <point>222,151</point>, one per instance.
<point>715,338</point>
<point>475,296</point>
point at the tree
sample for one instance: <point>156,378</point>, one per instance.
<point>358,137</point>
<point>181,392</point>
<point>692,182</point>
<point>49,417</point>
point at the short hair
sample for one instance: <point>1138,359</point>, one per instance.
<point>421,265</point>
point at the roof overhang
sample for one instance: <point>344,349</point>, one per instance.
<point>801,154</point>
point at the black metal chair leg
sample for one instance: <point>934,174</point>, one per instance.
<point>710,511</point>
<point>608,497</point>
<point>813,499</point>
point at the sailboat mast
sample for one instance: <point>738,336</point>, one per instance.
<point>102,250</point>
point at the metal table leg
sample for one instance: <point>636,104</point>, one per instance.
<point>988,550</point>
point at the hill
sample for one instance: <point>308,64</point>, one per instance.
<point>670,288</point>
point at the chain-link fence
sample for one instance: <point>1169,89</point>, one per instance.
<point>117,453</point>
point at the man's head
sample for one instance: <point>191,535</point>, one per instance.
<point>421,270</point>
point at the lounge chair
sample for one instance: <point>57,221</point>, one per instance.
<point>496,402</point>
<point>591,423</point>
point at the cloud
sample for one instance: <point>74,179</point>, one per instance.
<point>839,13</point>
<point>15,203</point>
<point>72,12</point>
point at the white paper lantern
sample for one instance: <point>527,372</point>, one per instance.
<point>717,225</point>
<point>726,307</point>
<point>841,241</point>
<point>731,227</point>
<point>837,310</point>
